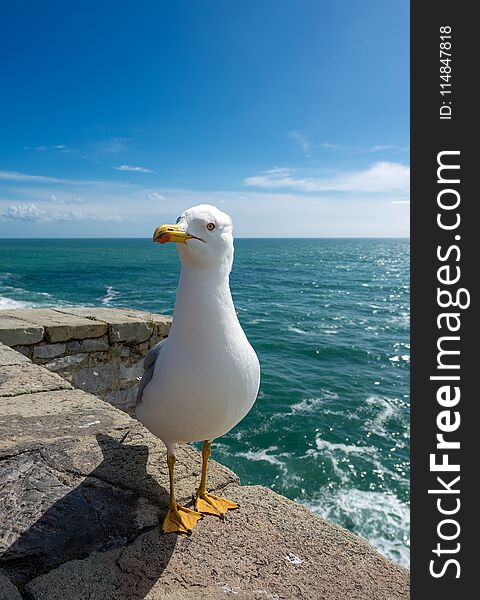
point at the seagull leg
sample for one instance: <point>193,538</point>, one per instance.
<point>178,519</point>
<point>208,503</point>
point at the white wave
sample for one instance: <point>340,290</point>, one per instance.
<point>401,345</point>
<point>403,319</point>
<point>257,321</point>
<point>351,416</point>
<point>287,476</point>
<point>307,405</point>
<point>379,517</point>
<point>262,455</point>
<point>110,295</point>
<point>221,448</point>
<point>325,445</point>
<point>297,330</point>
<point>12,296</point>
<point>312,405</point>
<point>399,357</point>
<point>336,454</point>
<point>6,303</point>
<point>386,413</point>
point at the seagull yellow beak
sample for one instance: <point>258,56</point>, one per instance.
<point>170,233</point>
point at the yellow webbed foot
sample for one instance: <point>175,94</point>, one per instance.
<point>180,519</point>
<point>213,505</point>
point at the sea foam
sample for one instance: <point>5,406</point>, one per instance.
<point>377,516</point>
<point>386,412</point>
<point>6,303</point>
<point>109,296</point>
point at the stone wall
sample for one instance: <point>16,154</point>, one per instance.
<point>98,350</point>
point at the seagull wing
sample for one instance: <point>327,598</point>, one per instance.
<point>149,366</point>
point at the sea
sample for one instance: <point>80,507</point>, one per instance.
<point>329,320</point>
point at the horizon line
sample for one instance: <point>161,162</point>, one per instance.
<point>129,237</point>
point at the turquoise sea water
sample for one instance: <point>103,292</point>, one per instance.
<point>329,319</point>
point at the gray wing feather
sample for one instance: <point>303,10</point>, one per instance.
<point>149,366</point>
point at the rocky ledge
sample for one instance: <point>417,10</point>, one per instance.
<point>83,489</point>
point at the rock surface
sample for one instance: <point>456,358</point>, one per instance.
<point>26,378</point>
<point>83,492</point>
<point>7,590</point>
<point>59,327</point>
<point>16,332</point>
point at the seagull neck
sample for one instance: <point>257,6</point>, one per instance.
<point>203,294</point>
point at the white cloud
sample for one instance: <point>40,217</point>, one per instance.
<point>124,208</point>
<point>69,200</point>
<point>23,212</point>
<point>380,177</point>
<point>392,147</point>
<point>330,146</point>
<point>30,212</point>
<point>61,147</point>
<point>277,172</point>
<point>383,147</point>
<point>27,177</point>
<point>57,147</point>
<point>134,169</point>
<point>113,145</point>
<point>17,176</point>
<point>306,146</point>
<point>300,140</point>
<point>156,196</point>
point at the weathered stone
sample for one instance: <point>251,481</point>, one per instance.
<point>142,349</point>
<point>77,476</point>
<point>10,357</point>
<point>131,372</point>
<point>125,325</point>
<point>45,416</point>
<point>94,379</point>
<point>124,352</point>
<point>58,326</point>
<point>67,516</point>
<point>7,590</point>
<point>15,331</point>
<point>65,363</point>
<point>125,399</point>
<point>131,328</point>
<point>25,350</point>
<point>81,455</point>
<point>269,548</point>
<point>48,350</point>
<point>27,378</point>
<point>161,323</point>
<point>96,344</point>
<point>74,346</point>
<point>130,332</point>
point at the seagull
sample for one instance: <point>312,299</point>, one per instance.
<point>204,377</point>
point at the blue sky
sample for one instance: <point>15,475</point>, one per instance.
<point>290,116</point>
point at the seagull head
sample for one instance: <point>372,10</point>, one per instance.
<point>204,237</point>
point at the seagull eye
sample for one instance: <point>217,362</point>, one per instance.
<point>211,226</point>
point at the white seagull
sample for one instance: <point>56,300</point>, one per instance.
<point>203,379</point>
